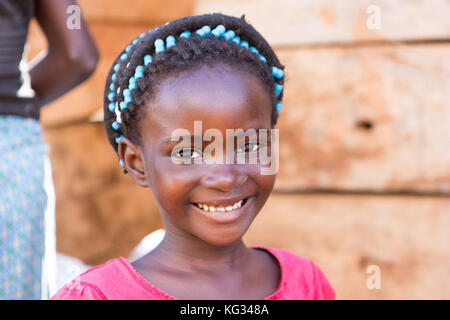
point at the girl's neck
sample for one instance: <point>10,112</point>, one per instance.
<point>189,254</point>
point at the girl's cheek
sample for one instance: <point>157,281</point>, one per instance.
<point>176,178</point>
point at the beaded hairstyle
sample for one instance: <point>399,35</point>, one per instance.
<point>180,46</point>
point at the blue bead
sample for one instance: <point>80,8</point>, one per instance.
<point>111,107</point>
<point>139,72</point>
<point>148,59</point>
<point>253,49</point>
<point>119,138</point>
<point>122,105</point>
<point>132,85</point>
<point>121,163</point>
<point>142,35</point>
<point>236,39</point>
<point>277,73</point>
<point>278,89</point>
<point>116,125</point>
<point>135,41</point>
<point>128,48</point>
<point>159,45</point>
<point>170,42</point>
<point>262,58</point>
<point>244,44</point>
<point>203,31</point>
<point>113,77</point>
<point>229,34</point>
<point>128,99</point>
<point>111,96</point>
<point>219,30</point>
<point>111,87</point>
<point>126,92</point>
<point>185,34</point>
<point>279,106</point>
<point>139,68</point>
<point>116,67</point>
<point>131,80</point>
<point>123,57</point>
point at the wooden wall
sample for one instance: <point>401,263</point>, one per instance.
<point>364,141</point>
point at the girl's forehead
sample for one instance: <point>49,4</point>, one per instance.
<point>217,86</point>
<point>220,97</point>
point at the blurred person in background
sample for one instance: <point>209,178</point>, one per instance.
<point>25,172</point>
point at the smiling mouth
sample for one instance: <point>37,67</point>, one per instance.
<point>211,208</point>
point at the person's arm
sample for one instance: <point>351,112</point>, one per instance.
<point>72,54</point>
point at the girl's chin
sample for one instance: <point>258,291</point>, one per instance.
<point>221,239</point>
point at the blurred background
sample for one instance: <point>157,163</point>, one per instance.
<point>364,175</point>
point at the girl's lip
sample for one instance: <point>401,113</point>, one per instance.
<point>221,202</point>
<point>224,217</point>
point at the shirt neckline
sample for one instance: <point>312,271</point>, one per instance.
<point>159,292</point>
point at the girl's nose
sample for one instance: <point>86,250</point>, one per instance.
<point>223,177</point>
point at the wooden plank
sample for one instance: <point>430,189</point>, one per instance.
<point>294,22</point>
<point>290,22</point>
<point>373,118</point>
<point>406,237</point>
<point>147,12</point>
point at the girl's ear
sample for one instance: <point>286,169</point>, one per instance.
<point>133,161</point>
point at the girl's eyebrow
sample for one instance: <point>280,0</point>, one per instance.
<point>170,141</point>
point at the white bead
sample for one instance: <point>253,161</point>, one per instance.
<point>118,116</point>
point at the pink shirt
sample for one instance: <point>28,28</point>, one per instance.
<point>118,280</point>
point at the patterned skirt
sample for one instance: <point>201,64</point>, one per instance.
<point>23,201</point>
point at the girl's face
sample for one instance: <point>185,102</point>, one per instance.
<point>221,97</point>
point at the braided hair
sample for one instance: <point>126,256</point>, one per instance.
<point>190,42</point>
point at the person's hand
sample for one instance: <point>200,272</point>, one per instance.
<point>72,54</point>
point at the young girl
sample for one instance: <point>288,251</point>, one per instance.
<point>218,70</point>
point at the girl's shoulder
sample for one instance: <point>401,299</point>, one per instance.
<point>115,279</point>
<point>301,278</point>
<point>288,259</point>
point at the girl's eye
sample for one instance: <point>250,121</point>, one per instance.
<point>187,153</point>
<point>250,147</point>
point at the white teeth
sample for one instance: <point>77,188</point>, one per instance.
<point>205,207</point>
